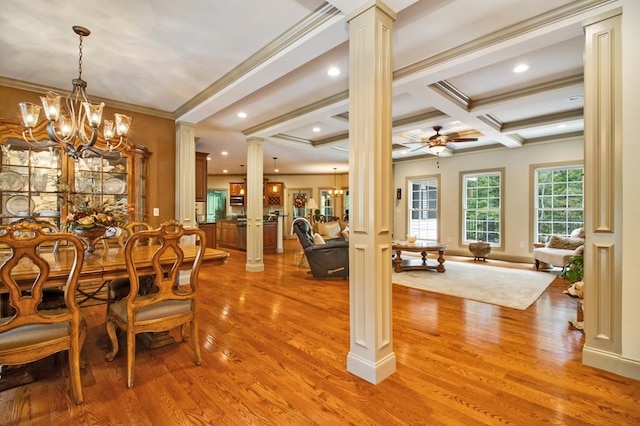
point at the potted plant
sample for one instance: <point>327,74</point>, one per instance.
<point>316,215</point>
<point>574,269</point>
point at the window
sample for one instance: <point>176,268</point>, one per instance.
<point>326,204</point>
<point>559,201</point>
<point>482,207</point>
<point>423,208</point>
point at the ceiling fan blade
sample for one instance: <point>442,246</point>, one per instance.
<point>426,145</point>
<point>462,139</point>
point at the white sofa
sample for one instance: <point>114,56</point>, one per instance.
<point>558,250</point>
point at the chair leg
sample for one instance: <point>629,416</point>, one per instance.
<point>131,356</point>
<point>111,332</point>
<point>74,370</point>
<point>537,265</point>
<point>195,341</point>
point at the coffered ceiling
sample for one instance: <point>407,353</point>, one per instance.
<point>206,61</point>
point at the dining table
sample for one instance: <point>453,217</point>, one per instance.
<point>98,268</point>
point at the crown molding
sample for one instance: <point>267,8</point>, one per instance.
<point>308,25</point>
<point>39,88</point>
<point>559,14</point>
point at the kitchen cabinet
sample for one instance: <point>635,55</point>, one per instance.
<point>273,198</point>
<point>270,236</point>
<point>236,188</point>
<point>201,176</point>
<point>227,234</point>
<point>233,234</point>
<point>210,232</point>
<point>34,178</point>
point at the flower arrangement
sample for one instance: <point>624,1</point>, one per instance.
<point>88,213</point>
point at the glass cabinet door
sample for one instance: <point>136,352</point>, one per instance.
<point>101,178</point>
<point>29,182</point>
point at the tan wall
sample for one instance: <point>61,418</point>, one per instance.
<point>516,163</point>
<point>157,134</point>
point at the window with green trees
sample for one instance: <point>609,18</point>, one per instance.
<point>482,207</point>
<point>559,201</point>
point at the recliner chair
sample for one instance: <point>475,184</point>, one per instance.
<point>328,260</point>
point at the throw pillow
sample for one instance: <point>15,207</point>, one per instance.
<point>317,239</point>
<point>577,233</point>
<point>564,243</point>
<point>329,229</point>
<point>345,233</point>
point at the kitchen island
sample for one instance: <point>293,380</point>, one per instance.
<point>232,233</point>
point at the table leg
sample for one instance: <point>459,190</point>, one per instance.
<point>398,262</point>
<point>440,267</point>
<point>157,340</point>
<point>12,376</point>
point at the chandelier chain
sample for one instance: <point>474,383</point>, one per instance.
<point>80,59</point>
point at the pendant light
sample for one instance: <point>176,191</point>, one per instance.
<point>242,188</point>
<point>274,188</point>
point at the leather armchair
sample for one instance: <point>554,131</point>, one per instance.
<point>328,260</point>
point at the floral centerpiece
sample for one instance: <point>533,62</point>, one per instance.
<point>89,214</point>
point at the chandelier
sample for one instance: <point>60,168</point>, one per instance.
<point>335,192</point>
<point>73,126</point>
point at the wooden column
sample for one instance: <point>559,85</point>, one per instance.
<point>255,260</point>
<point>371,355</point>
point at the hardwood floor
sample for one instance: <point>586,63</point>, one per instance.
<point>274,348</point>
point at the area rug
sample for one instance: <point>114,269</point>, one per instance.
<point>512,288</point>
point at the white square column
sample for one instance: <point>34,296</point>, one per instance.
<point>371,355</point>
<point>255,202</point>
<point>185,210</point>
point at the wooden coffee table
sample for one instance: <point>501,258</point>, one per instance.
<point>422,247</point>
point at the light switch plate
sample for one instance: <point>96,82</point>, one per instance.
<point>156,211</point>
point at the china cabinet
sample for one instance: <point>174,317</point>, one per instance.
<point>35,178</point>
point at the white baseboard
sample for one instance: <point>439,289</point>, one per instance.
<point>611,362</point>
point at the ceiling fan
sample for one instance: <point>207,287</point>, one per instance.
<point>438,143</point>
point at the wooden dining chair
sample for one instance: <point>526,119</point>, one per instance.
<point>170,303</point>
<point>119,288</point>
<point>29,332</point>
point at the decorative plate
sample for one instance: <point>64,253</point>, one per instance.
<point>114,186</point>
<point>19,205</point>
<point>10,181</point>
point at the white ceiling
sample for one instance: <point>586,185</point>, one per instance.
<point>205,61</point>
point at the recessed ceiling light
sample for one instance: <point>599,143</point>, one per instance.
<point>316,129</point>
<point>225,171</point>
<point>333,71</point>
<point>521,68</point>
<point>208,158</point>
<point>242,114</point>
<point>224,153</point>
